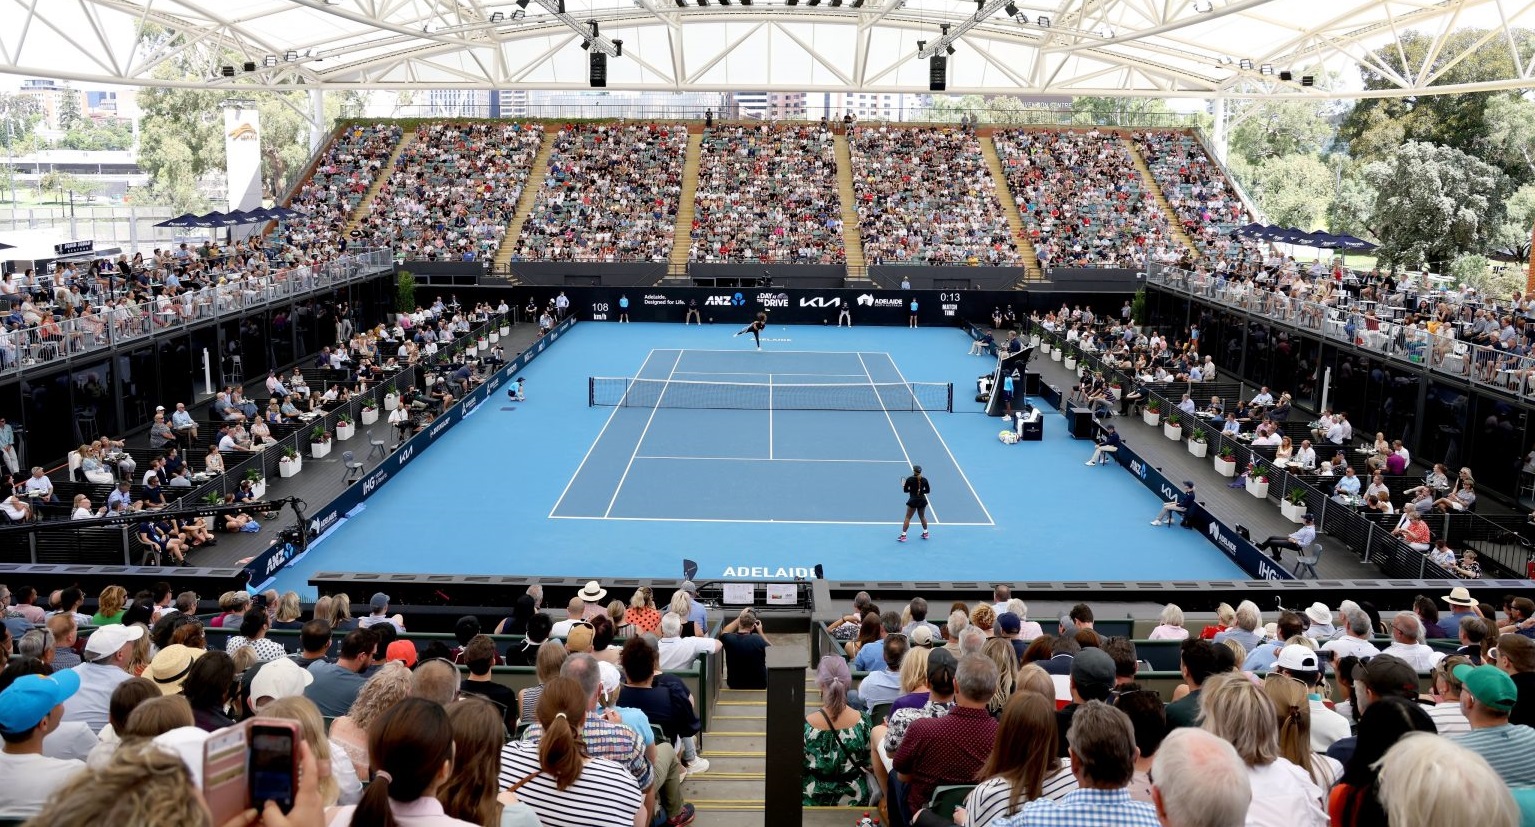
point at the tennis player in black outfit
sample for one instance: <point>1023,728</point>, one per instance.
<point>917,489</point>
<point>755,328</point>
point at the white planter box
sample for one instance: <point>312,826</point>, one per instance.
<point>290,467</point>
<point>391,401</point>
<point>1152,419</point>
<point>1172,432</point>
<point>1293,513</point>
<point>1071,364</point>
<point>1198,449</point>
<point>1258,489</point>
<point>1044,347</point>
<point>506,330</point>
<point>484,344</point>
<point>258,489</point>
<point>1081,371</point>
<point>1225,467</point>
<point>1033,341</point>
<point>369,416</point>
<point>345,431</point>
<point>1055,355</point>
<point>494,337</point>
<point>319,449</point>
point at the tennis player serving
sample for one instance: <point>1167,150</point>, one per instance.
<point>917,489</point>
<point>755,328</point>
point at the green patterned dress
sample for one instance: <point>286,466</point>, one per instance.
<point>834,775</point>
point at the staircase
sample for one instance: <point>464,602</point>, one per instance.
<point>852,239</point>
<point>1152,187</point>
<point>530,190</point>
<point>682,235</point>
<point>365,206</point>
<point>1010,209</point>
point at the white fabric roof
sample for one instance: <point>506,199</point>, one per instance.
<point>1156,48</point>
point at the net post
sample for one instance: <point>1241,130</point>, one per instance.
<point>591,391</point>
<point>950,407</point>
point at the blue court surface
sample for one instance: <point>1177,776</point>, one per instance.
<point>757,488</point>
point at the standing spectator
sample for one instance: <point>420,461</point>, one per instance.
<point>1103,760</point>
<point>8,446</point>
<point>1204,782</point>
<point>745,652</point>
<point>31,708</point>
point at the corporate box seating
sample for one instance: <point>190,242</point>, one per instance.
<point>767,192</point>
<point>453,190</point>
<point>610,194</point>
<point>925,196</point>
<point>1081,197</point>
<point>1195,187</point>
<point>340,180</point>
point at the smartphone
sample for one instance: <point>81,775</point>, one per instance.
<point>272,767</point>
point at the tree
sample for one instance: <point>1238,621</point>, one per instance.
<point>1511,132</point>
<point>1274,129</point>
<point>1433,203</point>
<point>60,184</point>
<point>1124,112</point>
<point>1293,190</point>
<point>1374,127</point>
<point>1513,234</point>
<point>1000,109</point>
<point>110,134</point>
<point>70,116</point>
<point>1353,201</point>
<point>18,117</point>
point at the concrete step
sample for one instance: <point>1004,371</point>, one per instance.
<point>1173,224</point>
<point>852,238</point>
<point>682,236</point>
<point>1010,208</point>
<point>530,190</point>
<point>365,206</point>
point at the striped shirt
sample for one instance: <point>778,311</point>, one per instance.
<point>1448,718</point>
<point>1507,748</point>
<point>603,739</point>
<point>988,801</point>
<point>604,795</point>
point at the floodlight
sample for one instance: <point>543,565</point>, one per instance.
<point>1307,80</point>
<point>290,56</point>
<point>1203,6</point>
<point>950,47</point>
<point>1266,69</point>
<point>1285,75</point>
<point>1245,65</point>
<point>1044,22</point>
<point>1011,9</point>
<point>250,66</point>
<point>269,60</point>
<point>519,14</point>
<point>497,17</point>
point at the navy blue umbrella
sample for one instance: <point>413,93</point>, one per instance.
<point>212,219</point>
<point>1348,242</point>
<point>184,220</point>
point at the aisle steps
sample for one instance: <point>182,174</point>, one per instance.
<point>682,235</point>
<point>1010,209</point>
<point>1155,189</point>
<point>365,206</point>
<point>852,239</point>
<point>530,190</point>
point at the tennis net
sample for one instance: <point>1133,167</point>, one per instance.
<point>628,392</point>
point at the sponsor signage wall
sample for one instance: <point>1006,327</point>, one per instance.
<point>265,566</point>
<point>789,305</point>
<point>1241,550</point>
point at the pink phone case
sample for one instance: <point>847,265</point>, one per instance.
<point>224,784</point>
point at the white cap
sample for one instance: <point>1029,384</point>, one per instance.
<point>281,678</point>
<point>1298,658</point>
<point>107,640</point>
<point>607,675</point>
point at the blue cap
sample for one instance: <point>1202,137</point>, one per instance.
<point>26,702</point>
<point>1188,483</point>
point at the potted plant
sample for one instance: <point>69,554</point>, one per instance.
<point>1197,444</point>
<point>1055,354</point>
<point>1293,506</point>
<point>1138,310</point>
<point>1257,480</point>
<point>1044,346</point>
<point>1172,427</point>
<point>1034,335</point>
<point>1072,354</point>
<point>212,498</point>
<point>369,412</point>
<point>506,326</point>
<point>346,428</point>
<point>1153,413</point>
<point>319,442</point>
<point>391,397</point>
<point>484,342</point>
<point>258,482</point>
<point>291,462</point>
<point>1226,462</point>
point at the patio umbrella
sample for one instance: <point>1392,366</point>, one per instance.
<point>4,246</point>
<point>1249,229</point>
<point>212,219</point>
<point>1320,239</point>
<point>184,220</point>
<point>1348,242</point>
<point>260,215</point>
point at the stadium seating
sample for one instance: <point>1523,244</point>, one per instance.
<point>1196,188</point>
<point>1081,197</point>
<point>340,180</point>
<point>767,193</point>
<point>453,190</point>
<point>925,196</point>
<point>610,194</point>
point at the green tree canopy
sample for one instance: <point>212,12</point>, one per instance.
<point>1433,203</point>
<point>1293,190</point>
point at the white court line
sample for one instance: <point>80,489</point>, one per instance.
<point>748,373</point>
<point>593,446</point>
<point>646,430</point>
<point>814,352</point>
<point>941,441</point>
<point>770,459</point>
<point>867,375</point>
<point>762,522</point>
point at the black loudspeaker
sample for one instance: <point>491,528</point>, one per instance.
<point>1079,423</point>
<point>1031,384</point>
<point>938,73</point>
<point>598,71</point>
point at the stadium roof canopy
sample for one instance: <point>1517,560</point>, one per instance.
<point>1154,48</point>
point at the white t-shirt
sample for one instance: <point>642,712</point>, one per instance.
<point>1284,796</point>
<point>30,780</point>
<point>1350,645</point>
<point>679,652</point>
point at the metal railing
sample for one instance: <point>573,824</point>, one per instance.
<point>1502,550</point>
<point>58,340</point>
<point>809,111</point>
<point>1384,335</point>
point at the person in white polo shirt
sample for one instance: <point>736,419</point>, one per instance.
<point>107,653</point>
<point>1356,638</point>
<point>678,652</point>
<point>30,708</point>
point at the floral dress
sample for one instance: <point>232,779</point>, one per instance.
<point>835,764</point>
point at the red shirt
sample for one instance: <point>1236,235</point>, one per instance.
<point>947,750</point>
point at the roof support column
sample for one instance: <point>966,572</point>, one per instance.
<point>1218,133</point>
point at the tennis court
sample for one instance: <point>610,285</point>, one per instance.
<point>756,437</point>
<point>554,486</point>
